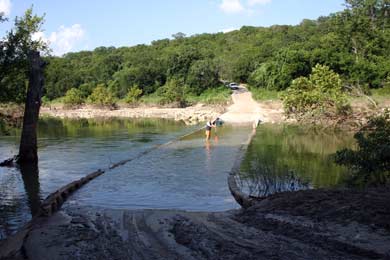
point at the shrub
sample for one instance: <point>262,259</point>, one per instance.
<point>220,95</point>
<point>322,92</point>
<point>385,91</point>
<point>3,127</point>
<point>370,163</point>
<point>101,96</point>
<point>73,97</point>
<point>45,100</point>
<point>173,92</point>
<point>262,94</point>
<point>133,95</point>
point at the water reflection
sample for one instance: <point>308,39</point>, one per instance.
<point>68,150</point>
<point>289,158</point>
<point>20,198</point>
<point>30,176</point>
<point>269,180</point>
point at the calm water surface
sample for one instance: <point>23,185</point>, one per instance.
<point>68,150</point>
<point>289,158</point>
<point>188,174</point>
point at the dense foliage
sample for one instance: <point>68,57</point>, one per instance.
<point>14,56</point>
<point>101,96</point>
<point>133,95</point>
<point>371,161</point>
<point>321,91</point>
<point>354,43</point>
<point>73,97</point>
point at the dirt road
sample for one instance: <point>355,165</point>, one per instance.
<point>246,110</point>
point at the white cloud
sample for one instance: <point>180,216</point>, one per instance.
<point>232,6</point>
<point>241,6</point>
<point>258,2</point>
<point>64,39</point>
<point>5,7</point>
<point>229,30</point>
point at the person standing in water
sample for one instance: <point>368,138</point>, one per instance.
<point>209,126</point>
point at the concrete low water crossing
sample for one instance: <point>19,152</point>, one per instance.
<point>186,174</point>
<point>189,174</point>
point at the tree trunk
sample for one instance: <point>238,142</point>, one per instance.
<point>28,143</point>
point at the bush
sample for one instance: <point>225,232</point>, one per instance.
<point>321,92</point>
<point>73,97</point>
<point>370,163</point>
<point>220,95</point>
<point>101,96</point>
<point>45,100</point>
<point>133,95</point>
<point>173,92</point>
<point>385,91</point>
<point>262,94</point>
<point>262,77</point>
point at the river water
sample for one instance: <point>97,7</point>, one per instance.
<point>187,174</point>
<point>290,158</point>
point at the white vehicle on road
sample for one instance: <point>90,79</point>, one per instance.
<point>233,86</point>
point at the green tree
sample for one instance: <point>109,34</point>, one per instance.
<point>321,92</point>
<point>202,75</point>
<point>173,92</point>
<point>370,162</point>
<point>14,56</point>
<point>73,97</point>
<point>133,95</point>
<point>353,43</point>
<point>101,96</point>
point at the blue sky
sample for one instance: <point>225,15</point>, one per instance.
<point>72,25</point>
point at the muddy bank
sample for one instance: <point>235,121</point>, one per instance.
<point>317,224</point>
<point>190,115</point>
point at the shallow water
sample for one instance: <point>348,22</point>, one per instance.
<point>289,158</point>
<point>68,150</point>
<point>188,174</point>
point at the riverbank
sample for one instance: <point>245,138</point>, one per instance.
<point>11,115</point>
<point>190,115</point>
<point>242,110</point>
<point>314,224</point>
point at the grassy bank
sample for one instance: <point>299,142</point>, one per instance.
<point>260,94</point>
<point>211,96</point>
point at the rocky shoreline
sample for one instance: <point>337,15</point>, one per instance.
<point>190,115</point>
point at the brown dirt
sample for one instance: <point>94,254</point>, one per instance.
<point>246,110</point>
<point>316,224</point>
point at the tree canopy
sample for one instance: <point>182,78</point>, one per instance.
<point>14,52</point>
<point>353,43</point>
